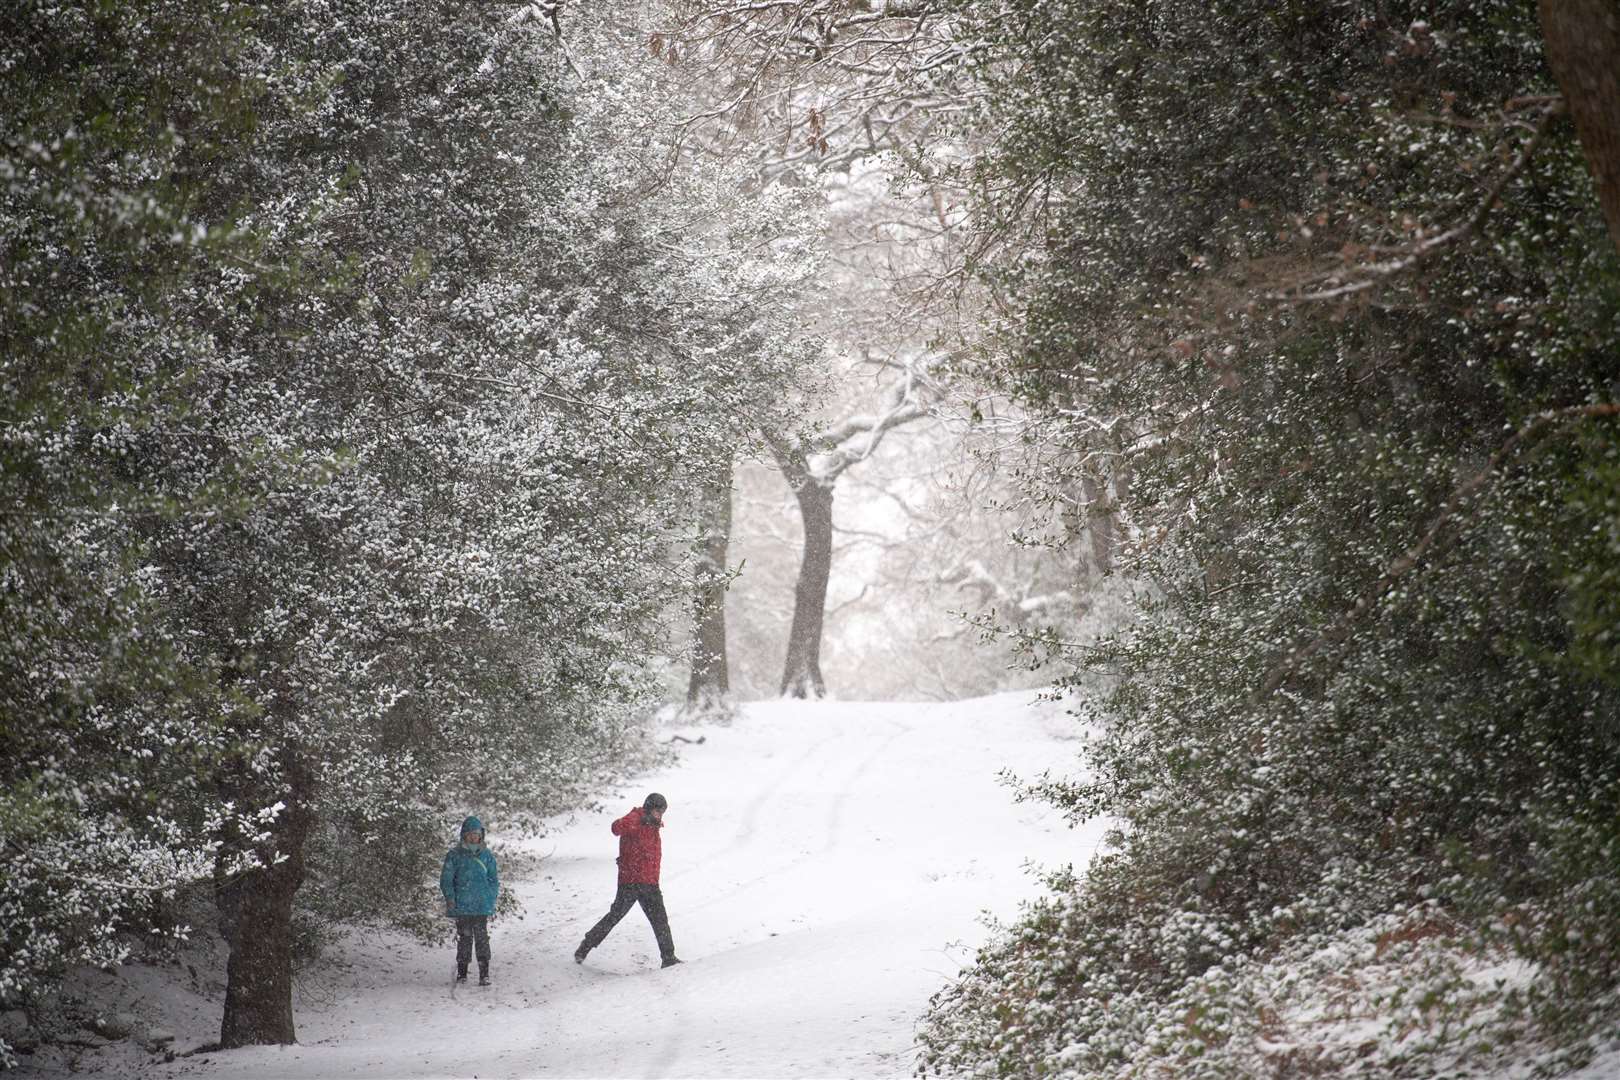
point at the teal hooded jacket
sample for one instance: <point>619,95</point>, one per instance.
<point>469,879</point>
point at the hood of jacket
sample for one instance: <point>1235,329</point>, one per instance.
<point>472,824</point>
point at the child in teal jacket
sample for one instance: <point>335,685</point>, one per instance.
<point>470,883</point>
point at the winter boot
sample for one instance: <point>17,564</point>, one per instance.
<point>670,961</point>
<point>483,976</point>
<point>461,974</point>
<point>580,953</point>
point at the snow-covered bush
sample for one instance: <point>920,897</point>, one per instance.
<point>1406,993</point>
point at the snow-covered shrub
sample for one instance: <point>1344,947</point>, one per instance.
<point>1408,993</point>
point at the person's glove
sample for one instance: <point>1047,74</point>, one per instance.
<point>449,907</point>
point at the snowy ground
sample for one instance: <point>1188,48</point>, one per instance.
<point>825,868</point>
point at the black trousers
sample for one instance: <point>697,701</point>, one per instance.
<point>651,899</point>
<point>472,931</point>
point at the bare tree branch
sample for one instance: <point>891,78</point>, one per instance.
<point>1374,274</point>
<point>1371,275</point>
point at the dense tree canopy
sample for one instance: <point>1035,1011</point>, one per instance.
<point>362,364</point>
<point>1330,287</point>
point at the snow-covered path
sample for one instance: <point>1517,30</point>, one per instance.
<point>825,868</point>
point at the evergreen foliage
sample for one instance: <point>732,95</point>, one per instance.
<point>110,723</point>
<point>362,364</point>
<point>1324,289</point>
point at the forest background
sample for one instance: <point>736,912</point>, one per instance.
<point>379,378</point>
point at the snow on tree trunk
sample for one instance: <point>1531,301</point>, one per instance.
<point>711,682</point>
<point>255,909</point>
<point>801,675</point>
<point>1583,50</point>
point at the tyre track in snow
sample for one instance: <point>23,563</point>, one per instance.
<point>832,815</point>
<point>677,1024</point>
<point>770,792</point>
<point>671,1048</point>
<point>822,753</point>
<point>835,815</point>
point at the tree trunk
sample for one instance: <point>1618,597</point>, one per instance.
<point>1583,50</point>
<point>801,676</point>
<point>710,684</point>
<point>1099,523</point>
<point>255,910</point>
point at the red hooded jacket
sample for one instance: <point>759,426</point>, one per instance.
<point>640,849</point>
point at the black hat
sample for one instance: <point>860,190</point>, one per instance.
<point>655,801</point>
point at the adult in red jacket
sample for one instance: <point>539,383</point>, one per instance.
<point>640,852</point>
